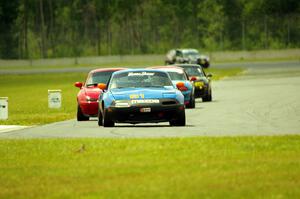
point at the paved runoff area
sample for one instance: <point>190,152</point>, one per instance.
<point>8,128</point>
<point>265,100</point>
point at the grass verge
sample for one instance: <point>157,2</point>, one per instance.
<point>220,73</point>
<point>28,95</point>
<point>227,167</point>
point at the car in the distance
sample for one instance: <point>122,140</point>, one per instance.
<point>202,81</point>
<point>190,56</point>
<point>87,97</point>
<point>178,74</point>
<point>140,96</point>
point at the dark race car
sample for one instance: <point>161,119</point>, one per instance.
<point>190,56</point>
<point>140,96</point>
<point>87,97</point>
<point>202,82</point>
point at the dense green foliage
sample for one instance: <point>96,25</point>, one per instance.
<point>198,167</point>
<point>49,28</point>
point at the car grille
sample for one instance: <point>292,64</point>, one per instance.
<point>169,102</point>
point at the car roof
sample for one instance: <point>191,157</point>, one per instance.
<point>139,70</point>
<point>183,65</point>
<point>187,49</point>
<point>106,69</point>
<point>172,68</point>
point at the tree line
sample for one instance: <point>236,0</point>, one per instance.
<point>72,28</point>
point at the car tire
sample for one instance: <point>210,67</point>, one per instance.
<point>180,121</point>
<point>197,94</point>
<point>80,115</point>
<point>106,121</point>
<point>100,118</point>
<point>192,102</point>
<point>206,65</point>
<point>207,98</point>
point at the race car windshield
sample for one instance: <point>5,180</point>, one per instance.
<point>190,53</point>
<point>140,79</point>
<point>193,71</point>
<point>177,76</point>
<point>98,77</point>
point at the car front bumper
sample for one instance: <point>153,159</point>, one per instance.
<point>89,108</point>
<point>144,113</point>
<point>201,90</point>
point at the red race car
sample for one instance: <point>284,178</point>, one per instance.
<point>87,97</point>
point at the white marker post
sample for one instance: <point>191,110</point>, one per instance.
<point>54,99</point>
<point>3,108</point>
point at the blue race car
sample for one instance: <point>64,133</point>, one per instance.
<point>178,74</point>
<point>140,96</point>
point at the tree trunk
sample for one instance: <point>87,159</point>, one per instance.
<point>51,28</point>
<point>98,38</point>
<point>43,37</point>
<point>26,54</point>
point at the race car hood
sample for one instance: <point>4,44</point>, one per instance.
<point>92,92</point>
<point>145,93</point>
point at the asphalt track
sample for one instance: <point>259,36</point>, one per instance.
<point>265,100</point>
<point>88,68</point>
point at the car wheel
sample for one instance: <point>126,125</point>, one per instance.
<point>206,65</point>
<point>80,115</point>
<point>106,121</point>
<point>100,118</point>
<point>180,121</point>
<point>197,94</point>
<point>192,102</point>
<point>207,98</point>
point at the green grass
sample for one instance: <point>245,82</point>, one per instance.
<point>219,73</point>
<point>28,95</point>
<point>203,167</point>
<point>132,64</point>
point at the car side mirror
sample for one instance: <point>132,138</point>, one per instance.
<point>102,86</point>
<point>78,84</point>
<point>209,75</point>
<point>193,79</point>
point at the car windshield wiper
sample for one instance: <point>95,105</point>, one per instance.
<point>124,87</point>
<point>155,86</point>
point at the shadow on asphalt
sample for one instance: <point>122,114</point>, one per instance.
<point>152,126</point>
<point>198,108</point>
<point>200,102</point>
